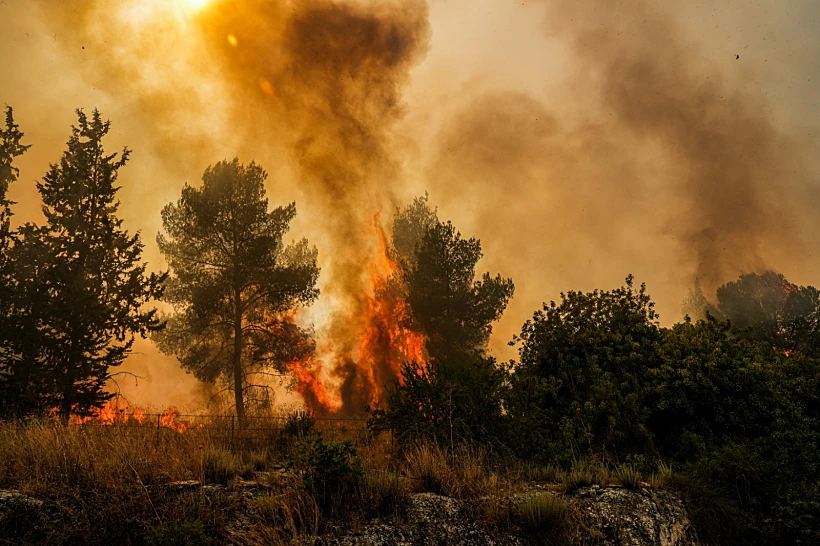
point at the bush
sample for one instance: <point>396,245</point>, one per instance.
<point>450,402</point>
<point>187,533</point>
<point>332,473</point>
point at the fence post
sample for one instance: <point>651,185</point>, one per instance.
<point>158,426</point>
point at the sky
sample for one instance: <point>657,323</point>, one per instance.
<point>580,141</point>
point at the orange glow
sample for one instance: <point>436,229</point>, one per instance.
<point>197,4</point>
<point>168,419</point>
<point>386,342</point>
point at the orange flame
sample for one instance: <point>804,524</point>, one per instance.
<point>168,419</point>
<point>386,342</point>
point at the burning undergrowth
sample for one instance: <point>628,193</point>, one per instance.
<point>347,383</point>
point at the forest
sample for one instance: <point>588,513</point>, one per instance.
<point>725,404</point>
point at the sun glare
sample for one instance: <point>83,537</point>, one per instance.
<point>197,4</point>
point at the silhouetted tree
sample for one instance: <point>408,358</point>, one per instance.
<point>451,307</point>
<point>82,287</point>
<point>234,283</point>
<point>11,385</point>
<point>456,396</point>
<point>409,227</point>
<point>696,305</point>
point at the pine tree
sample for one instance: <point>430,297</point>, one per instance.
<point>10,148</point>
<point>84,287</point>
<point>234,281</point>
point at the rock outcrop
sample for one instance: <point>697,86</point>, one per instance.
<point>605,516</point>
<point>649,517</point>
<point>610,516</point>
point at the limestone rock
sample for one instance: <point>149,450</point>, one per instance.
<point>649,517</point>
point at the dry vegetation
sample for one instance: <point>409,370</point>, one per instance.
<point>127,485</point>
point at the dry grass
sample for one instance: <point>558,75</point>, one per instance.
<point>662,478</point>
<point>106,484</point>
<point>384,494</point>
<point>627,476</point>
<point>109,484</point>
<point>462,474</point>
<point>584,474</point>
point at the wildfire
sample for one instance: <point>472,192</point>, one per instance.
<point>386,342</point>
<point>109,414</point>
<point>112,414</point>
<point>169,419</point>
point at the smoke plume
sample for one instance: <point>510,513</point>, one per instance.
<point>579,140</point>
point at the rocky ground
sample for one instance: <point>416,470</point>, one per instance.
<point>609,515</point>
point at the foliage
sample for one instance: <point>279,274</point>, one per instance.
<point>186,533</point>
<point>450,401</point>
<point>234,282</point>
<point>584,365</point>
<point>332,472</point>
<point>729,407</point>
<point>769,308</point>
<point>81,290</point>
<point>14,385</point>
<point>454,310</point>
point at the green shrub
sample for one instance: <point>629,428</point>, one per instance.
<point>332,472</point>
<point>187,533</point>
<point>717,517</point>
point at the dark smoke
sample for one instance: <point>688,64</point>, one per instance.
<point>648,155</point>
<point>330,76</point>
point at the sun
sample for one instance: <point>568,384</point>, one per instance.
<point>196,4</point>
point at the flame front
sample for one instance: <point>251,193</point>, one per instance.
<point>386,341</point>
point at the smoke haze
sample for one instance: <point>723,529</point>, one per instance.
<point>580,141</point>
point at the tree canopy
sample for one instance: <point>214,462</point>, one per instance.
<point>456,395</point>
<point>234,282</point>
<point>81,288</point>
<point>453,309</point>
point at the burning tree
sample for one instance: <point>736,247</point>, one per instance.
<point>81,289</point>
<point>234,283</point>
<point>456,394</point>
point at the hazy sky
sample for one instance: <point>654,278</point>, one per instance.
<point>579,140</point>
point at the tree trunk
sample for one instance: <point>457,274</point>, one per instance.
<point>237,358</point>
